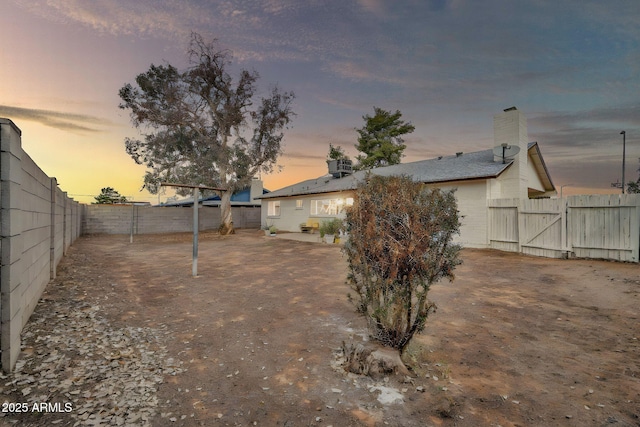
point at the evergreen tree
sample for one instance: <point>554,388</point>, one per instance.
<point>380,139</point>
<point>336,153</point>
<point>109,196</point>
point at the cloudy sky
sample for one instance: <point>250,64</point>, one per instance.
<point>572,67</point>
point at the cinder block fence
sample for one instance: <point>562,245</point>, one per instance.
<point>38,222</point>
<point>123,219</point>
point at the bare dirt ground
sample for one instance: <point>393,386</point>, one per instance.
<point>128,337</point>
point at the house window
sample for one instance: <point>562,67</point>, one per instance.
<point>299,204</point>
<point>273,208</point>
<point>329,207</point>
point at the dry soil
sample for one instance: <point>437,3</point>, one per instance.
<point>255,339</point>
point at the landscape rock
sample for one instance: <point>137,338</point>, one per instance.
<point>73,356</point>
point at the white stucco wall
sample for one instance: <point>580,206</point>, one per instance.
<point>507,184</point>
<point>471,197</point>
<point>534,180</point>
<point>472,205</point>
<point>291,217</point>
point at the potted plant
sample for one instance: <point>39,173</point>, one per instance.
<point>330,229</point>
<point>323,230</point>
<point>269,230</point>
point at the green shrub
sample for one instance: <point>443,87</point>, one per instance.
<point>331,227</point>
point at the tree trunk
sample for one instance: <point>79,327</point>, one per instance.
<point>226,220</point>
<point>373,360</point>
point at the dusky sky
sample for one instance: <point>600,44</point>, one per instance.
<point>572,67</point>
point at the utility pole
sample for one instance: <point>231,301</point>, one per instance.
<point>624,148</point>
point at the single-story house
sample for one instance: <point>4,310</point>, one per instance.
<point>513,168</point>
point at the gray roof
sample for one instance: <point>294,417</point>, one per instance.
<point>476,165</point>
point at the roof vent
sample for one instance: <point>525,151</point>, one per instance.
<point>459,153</point>
<point>339,168</point>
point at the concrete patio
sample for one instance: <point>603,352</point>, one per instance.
<point>300,237</point>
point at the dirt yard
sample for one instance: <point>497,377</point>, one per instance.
<point>125,336</point>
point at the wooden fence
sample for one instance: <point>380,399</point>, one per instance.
<point>598,226</point>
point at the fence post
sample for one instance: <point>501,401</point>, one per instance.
<point>564,247</point>
<point>52,244</point>
<point>521,225</point>
<point>11,242</point>
<point>493,207</point>
<point>635,229</point>
<point>64,223</point>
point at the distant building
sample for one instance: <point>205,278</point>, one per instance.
<point>249,196</point>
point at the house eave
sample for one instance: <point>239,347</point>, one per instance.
<point>320,191</point>
<point>541,167</point>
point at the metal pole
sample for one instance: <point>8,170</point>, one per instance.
<point>561,187</point>
<point>133,206</point>
<point>196,196</point>
<point>624,146</point>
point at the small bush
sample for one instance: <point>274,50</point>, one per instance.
<point>331,227</point>
<point>400,243</point>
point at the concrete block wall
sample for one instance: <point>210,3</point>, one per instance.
<point>118,219</point>
<point>37,223</point>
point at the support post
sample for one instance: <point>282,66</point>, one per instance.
<point>64,223</point>
<point>133,207</point>
<point>52,237</point>
<point>624,155</point>
<point>196,197</point>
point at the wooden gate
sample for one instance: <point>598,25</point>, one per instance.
<point>600,226</point>
<point>503,224</point>
<point>604,226</point>
<point>542,225</point>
